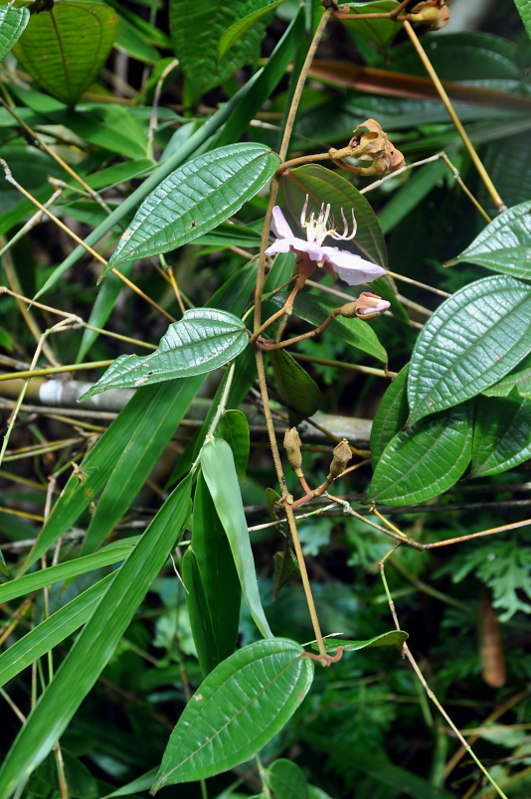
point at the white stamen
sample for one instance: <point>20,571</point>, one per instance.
<point>316,229</point>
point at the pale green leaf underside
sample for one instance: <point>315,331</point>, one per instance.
<point>203,340</point>
<point>472,340</point>
<point>195,198</point>
<point>236,710</point>
<point>12,23</point>
<point>64,48</point>
<point>424,461</point>
<point>505,244</point>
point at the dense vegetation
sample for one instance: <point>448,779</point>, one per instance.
<point>265,381</point>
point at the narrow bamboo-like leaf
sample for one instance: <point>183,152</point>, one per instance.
<point>3,565</point>
<point>195,198</point>
<point>96,643</point>
<point>242,25</point>
<point>12,23</point>
<point>424,461</point>
<point>210,576</point>
<point>236,710</point>
<point>473,339</point>
<point>390,416</point>
<point>65,571</point>
<point>221,478</point>
<point>234,428</point>
<point>407,197</point>
<point>392,638</point>
<point>504,245</point>
<point>298,391</point>
<point>323,186</point>
<point>65,47</point>
<point>287,780</point>
<point>203,340</point>
<point>521,381</point>
<point>51,631</point>
<point>355,332</point>
<point>502,434</point>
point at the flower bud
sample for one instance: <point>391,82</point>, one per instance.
<point>341,456</point>
<point>292,445</point>
<point>368,306</point>
<point>433,13</point>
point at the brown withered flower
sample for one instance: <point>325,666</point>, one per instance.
<point>433,13</point>
<point>371,143</point>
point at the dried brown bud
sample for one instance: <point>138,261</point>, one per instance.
<point>292,445</point>
<point>368,306</point>
<point>370,143</point>
<point>433,13</point>
<point>341,456</point>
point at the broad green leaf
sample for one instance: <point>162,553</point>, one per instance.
<point>355,332</point>
<point>12,23</point>
<point>380,31</point>
<point>51,631</point>
<point>111,127</point>
<point>203,340</point>
<point>234,428</point>
<point>236,710</point>
<point>64,48</point>
<point>287,780</point>
<point>504,245</point>
<point>502,434</point>
<point>298,391</point>
<point>196,26</point>
<point>524,9</point>
<point>195,198</point>
<point>221,478</point>
<point>210,576</point>
<point>521,381</point>
<point>323,186</point>
<point>242,25</point>
<point>65,571</point>
<point>95,645</point>
<point>473,339</point>
<point>425,460</point>
<point>392,638</point>
<point>390,416</point>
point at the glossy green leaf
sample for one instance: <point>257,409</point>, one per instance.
<point>242,25</point>
<point>524,9</point>
<point>196,27</point>
<point>65,571</point>
<point>502,434</point>
<point>355,332</point>
<point>391,415</point>
<point>380,31</point>
<point>234,428</point>
<point>392,638</point>
<point>324,186</point>
<point>213,591</point>
<point>521,381</point>
<point>504,245</point>
<point>195,198</point>
<point>3,565</point>
<point>203,340</point>
<point>425,460</point>
<point>64,48</point>
<point>12,23</point>
<point>95,645</point>
<point>221,478</point>
<point>287,780</point>
<point>473,339</point>
<point>111,127</point>
<point>236,710</point>
<point>298,391</point>
<point>51,631</point>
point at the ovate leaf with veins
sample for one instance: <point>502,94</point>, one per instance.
<point>12,23</point>
<point>64,48</point>
<point>203,340</point>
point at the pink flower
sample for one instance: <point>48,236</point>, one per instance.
<point>349,267</point>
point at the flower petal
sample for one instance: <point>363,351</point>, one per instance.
<point>352,268</point>
<point>279,226</point>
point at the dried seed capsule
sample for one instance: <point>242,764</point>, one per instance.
<point>292,445</point>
